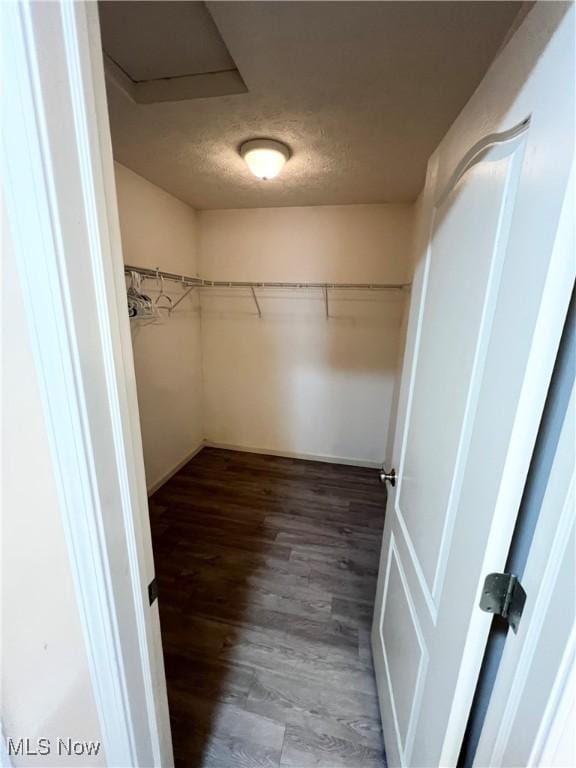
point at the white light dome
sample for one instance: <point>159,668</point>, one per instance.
<point>264,157</point>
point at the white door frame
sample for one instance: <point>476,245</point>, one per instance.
<point>58,187</point>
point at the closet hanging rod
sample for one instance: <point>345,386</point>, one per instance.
<point>201,283</point>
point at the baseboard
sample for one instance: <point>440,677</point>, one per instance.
<point>266,451</point>
<point>164,479</point>
<point>293,455</point>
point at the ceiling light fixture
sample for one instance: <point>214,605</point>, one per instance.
<point>264,157</point>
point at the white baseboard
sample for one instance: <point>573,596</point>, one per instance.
<point>293,455</point>
<point>266,451</point>
<point>164,479</point>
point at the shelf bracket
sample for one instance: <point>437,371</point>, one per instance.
<point>326,305</point>
<point>256,301</point>
<point>182,297</point>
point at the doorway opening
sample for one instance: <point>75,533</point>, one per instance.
<point>270,300</point>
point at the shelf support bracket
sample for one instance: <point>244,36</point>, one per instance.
<point>182,297</point>
<point>326,305</point>
<point>256,301</point>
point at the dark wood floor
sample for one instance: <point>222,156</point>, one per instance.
<point>267,571</point>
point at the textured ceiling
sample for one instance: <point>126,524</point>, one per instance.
<point>362,92</point>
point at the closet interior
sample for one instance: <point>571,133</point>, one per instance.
<point>268,319</point>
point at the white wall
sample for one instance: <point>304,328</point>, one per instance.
<point>46,685</point>
<point>160,231</point>
<point>294,382</point>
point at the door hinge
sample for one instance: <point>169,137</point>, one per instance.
<point>152,590</point>
<point>503,595</point>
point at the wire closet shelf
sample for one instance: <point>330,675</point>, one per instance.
<point>199,282</point>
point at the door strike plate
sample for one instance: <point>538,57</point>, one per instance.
<point>503,595</point>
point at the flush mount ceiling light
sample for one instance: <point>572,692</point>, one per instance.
<point>264,157</point>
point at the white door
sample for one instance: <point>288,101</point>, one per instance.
<point>490,294</point>
<point>530,718</point>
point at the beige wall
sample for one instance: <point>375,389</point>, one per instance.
<point>157,229</point>
<point>293,381</point>
<point>46,684</point>
<point>340,243</point>
<point>160,231</point>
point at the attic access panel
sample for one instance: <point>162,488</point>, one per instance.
<point>166,51</point>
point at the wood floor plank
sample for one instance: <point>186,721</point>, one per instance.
<point>279,695</point>
<point>199,677</point>
<point>317,663</point>
<point>353,610</point>
<point>267,569</point>
<point>224,735</point>
<point>310,748</point>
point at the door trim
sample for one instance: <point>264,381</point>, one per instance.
<point>61,210</point>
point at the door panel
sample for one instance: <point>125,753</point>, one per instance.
<point>490,294</point>
<point>402,639</point>
<point>460,296</point>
